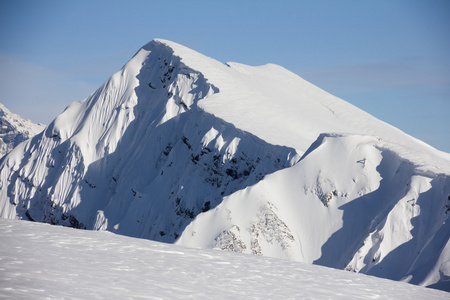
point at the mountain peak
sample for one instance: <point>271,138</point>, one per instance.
<point>277,105</point>
<point>178,147</point>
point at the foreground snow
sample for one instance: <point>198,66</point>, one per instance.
<point>42,261</point>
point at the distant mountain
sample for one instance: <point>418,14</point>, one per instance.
<point>14,130</point>
<point>180,148</point>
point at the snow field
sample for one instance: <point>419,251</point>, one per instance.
<point>41,261</point>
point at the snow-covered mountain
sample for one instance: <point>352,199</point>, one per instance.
<point>14,130</point>
<point>178,147</point>
<point>40,261</point>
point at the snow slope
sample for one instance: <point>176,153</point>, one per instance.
<point>351,203</point>
<point>14,130</point>
<point>178,147</point>
<point>51,262</point>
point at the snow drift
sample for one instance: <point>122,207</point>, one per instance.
<point>178,147</point>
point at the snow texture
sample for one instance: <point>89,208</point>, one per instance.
<point>14,130</point>
<point>179,148</point>
<point>40,261</point>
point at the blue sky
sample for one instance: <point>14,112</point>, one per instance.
<point>390,58</point>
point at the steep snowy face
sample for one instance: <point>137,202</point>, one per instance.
<point>138,157</point>
<point>14,130</point>
<point>178,147</point>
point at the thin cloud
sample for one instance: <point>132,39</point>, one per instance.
<point>380,75</point>
<point>38,93</point>
<point>98,69</point>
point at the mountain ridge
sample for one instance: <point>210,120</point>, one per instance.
<point>304,91</point>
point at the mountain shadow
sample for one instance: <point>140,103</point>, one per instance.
<point>174,161</point>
